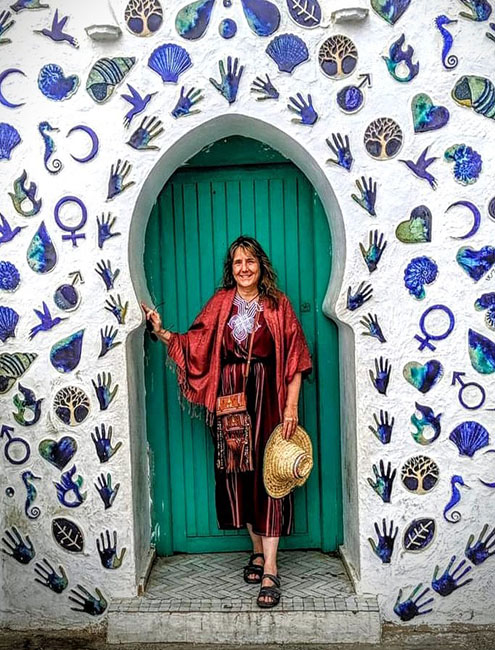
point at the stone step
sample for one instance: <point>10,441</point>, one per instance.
<point>349,619</point>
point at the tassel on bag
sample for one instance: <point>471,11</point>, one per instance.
<point>234,445</point>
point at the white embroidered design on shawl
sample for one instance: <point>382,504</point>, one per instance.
<point>242,323</point>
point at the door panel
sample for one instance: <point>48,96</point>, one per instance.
<point>196,216</point>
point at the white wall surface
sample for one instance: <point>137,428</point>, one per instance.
<point>29,604</point>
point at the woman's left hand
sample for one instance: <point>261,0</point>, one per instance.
<point>290,421</point>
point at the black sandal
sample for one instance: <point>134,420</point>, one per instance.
<point>251,568</point>
<point>272,592</point>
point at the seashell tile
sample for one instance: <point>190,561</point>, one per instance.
<point>288,51</point>
<point>9,139</point>
<point>169,61</point>
<point>106,74</point>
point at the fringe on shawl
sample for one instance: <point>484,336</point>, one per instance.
<point>183,395</point>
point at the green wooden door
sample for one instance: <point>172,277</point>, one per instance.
<point>198,213</point>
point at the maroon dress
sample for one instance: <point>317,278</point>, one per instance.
<point>241,497</point>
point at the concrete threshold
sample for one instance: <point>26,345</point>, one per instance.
<point>202,599</point>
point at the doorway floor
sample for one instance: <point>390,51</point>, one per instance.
<point>203,599</point>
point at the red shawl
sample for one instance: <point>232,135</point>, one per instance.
<point>196,353</point>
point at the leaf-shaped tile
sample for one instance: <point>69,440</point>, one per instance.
<point>419,534</point>
<point>68,535</point>
<point>306,13</point>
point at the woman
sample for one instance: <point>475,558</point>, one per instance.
<point>210,359</point>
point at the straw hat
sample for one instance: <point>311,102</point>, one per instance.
<point>287,463</point>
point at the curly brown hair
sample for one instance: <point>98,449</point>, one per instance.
<point>267,284</point>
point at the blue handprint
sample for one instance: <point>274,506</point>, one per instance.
<point>375,250</point>
<point>229,81</point>
<point>372,327</point>
<point>482,550</point>
<point>103,444</point>
<point>342,151</point>
<point>103,390</point>
<point>48,577</point>
<point>149,129</point>
<point>265,89</point>
<point>88,603</point>
<point>20,550</point>
<point>108,551</point>
<point>186,101</point>
<point>410,608</point>
<point>116,308</point>
<point>367,200</point>
<point>303,108</point>
<point>69,490</point>
<point>363,293</point>
<point>116,182</point>
<point>384,427</point>
<point>105,490</point>
<point>381,377</point>
<point>108,342</point>
<point>386,541</point>
<point>384,481</point>
<point>5,24</point>
<point>105,229</point>
<point>104,270</point>
<point>449,582</point>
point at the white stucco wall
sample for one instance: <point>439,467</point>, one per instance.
<point>28,603</point>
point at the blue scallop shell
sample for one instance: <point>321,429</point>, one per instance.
<point>420,271</point>
<point>469,437</point>
<point>476,263</point>
<point>9,276</point>
<point>66,353</point>
<point>169,61</point>
<point>288,51</point>
<point>481,353</point>
<point>9,139</point>
<point>8,322</point>
<point>54,85</point>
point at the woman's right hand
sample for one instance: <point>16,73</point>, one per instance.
<point>153,317</point>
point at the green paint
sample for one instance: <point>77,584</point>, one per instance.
<point>201,211</point>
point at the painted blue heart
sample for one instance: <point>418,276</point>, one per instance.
<point>427,116</point>
<point>476,263</point>
<point>58,453</point>
<point>390,10</point>
<point>423,376</point>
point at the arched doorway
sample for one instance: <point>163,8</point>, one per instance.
<point>234,186</point>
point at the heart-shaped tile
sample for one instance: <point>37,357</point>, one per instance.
<point>58,453</point>
<point>427,116</point>
<point>423,376</point>
<point>417,229</point>
<point>390,10</point>
<point>476,263</point>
